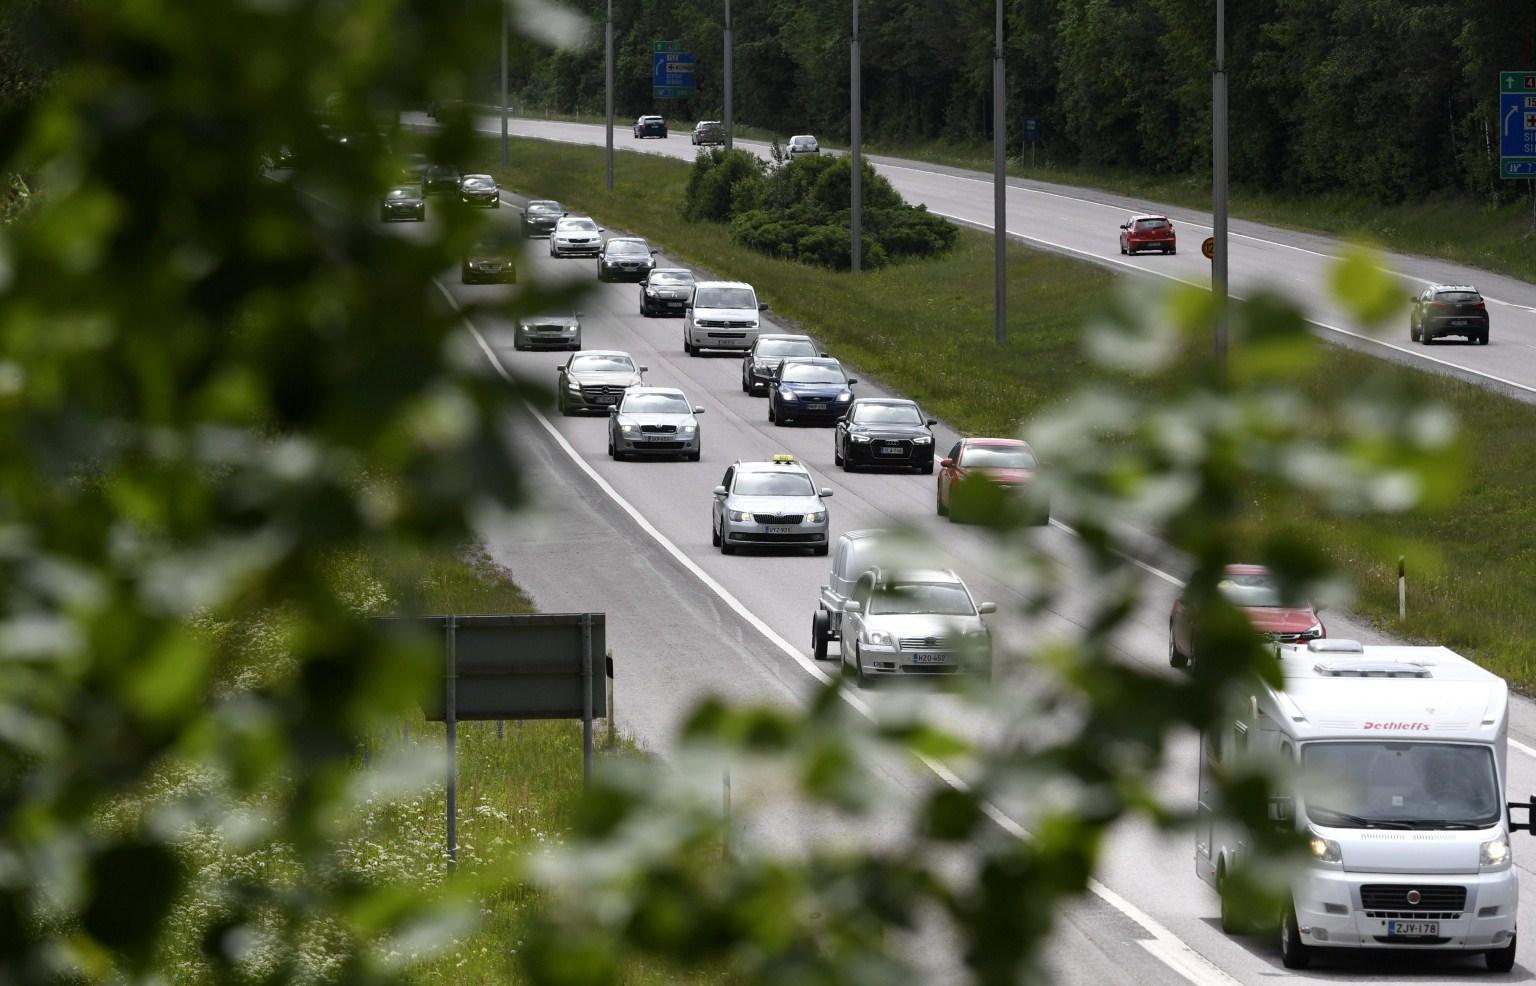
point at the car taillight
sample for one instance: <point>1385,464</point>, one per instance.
<point>1480,306</point>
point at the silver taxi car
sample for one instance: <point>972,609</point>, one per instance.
<point>654,421</point>
<point>769,504</point>
<point>911,622</point>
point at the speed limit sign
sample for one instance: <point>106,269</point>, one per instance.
<point>1209,248</point>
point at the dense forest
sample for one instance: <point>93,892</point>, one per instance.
<point>1393,99</point>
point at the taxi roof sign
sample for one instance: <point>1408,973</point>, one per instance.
<point>783,457</point>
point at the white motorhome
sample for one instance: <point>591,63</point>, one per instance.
<point>1401,755</point>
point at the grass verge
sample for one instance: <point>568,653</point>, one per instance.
<point>925,329</point>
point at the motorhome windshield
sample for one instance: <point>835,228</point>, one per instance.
<point>1400,785</point>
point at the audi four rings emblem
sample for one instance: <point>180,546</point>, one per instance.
<point>1414,896</point>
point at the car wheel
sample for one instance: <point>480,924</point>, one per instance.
<point>496,204</point>
<point>1424,336</point>
<point>726,547</point>
<point>770,412</point>
<point>1122,249</point>
<point>927,470</point>
<point>564,406</point>
<point>1230,922</point>
<point>1413,331</point>
<point>1173,251</point>
<point>940,507</point>
<point>1294,953</point>
<point>1482,338</point>
<point>611,453</point>
<point>1503,959</point>
<point>688,347</point>
<point>464,277</point>
<point>821,551</point>
<point>746,388</point>
<point>820,633</point>
<point>714,536</point>
<point>858,667</point>
<point>1176,657</point>
<point>694,456</point>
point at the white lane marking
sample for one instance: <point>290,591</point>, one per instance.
<point>1172,950</point>
<point>1529,751</point>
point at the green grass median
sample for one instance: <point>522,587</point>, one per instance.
<point>925,330</point>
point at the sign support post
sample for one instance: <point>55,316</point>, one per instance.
<point>855,148</point>
<point>586,699</point>
<point>1219,186</point>
<point>608,76</point>
<point>451,721</point>
<point>999,185</point>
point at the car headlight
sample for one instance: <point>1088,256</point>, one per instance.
<point>922,440</point>
<point>877,638</point>
<point>1324,850</point>
<point>741,517</point>
<point>573,386</point>
<point>627,429</point>
<point>650,292</point>
<point>861,439</point>
<point>816,518</point>
<point>845,396</point>
<point>1313,632</point>
<point>788,395</point>
<point>687,429</point>
<point>569,330</point>
<point>1494,854</point>
<point>524,327</point>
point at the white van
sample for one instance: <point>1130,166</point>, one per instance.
<point>1402,765</point>
<point>721,315</point>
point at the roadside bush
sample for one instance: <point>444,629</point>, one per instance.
<point>799,210</point>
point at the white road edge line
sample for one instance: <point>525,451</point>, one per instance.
<point>1165,945</point>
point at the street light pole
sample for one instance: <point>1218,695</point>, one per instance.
<point>856,145</point>
<point>504,152</point>
<point>999,185</point>
<point>1219,185</point>
<point>608,41</point>
<point>730,135</point>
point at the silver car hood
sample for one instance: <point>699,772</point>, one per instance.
<point>775,504</point>
<point>657,418</point>
<point>922,624</point>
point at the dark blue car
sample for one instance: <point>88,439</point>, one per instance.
<point>810,390</point>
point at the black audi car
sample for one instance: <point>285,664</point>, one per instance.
<point>761,364</point>
<point>650,126</point>
<point>882,431</point>
<point>666,291</point>
<point>816,389</point>
<point>625,258</point>
<point>540,216</point>
<point>440,179</point>
<point>403,202</point>
<point>480,190</point>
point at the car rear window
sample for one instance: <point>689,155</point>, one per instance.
<point>1151,224</point>
<point>1457,297</point>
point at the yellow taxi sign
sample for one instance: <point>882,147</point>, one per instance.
<point>783,457</point>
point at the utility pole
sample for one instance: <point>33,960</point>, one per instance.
<point>504,153</point>
<point>1000,184</point>
<point>608,39</point>
<point>729,121</point>
<point>1219,185</point>
<point>856,148</point>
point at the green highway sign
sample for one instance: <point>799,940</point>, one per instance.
<point>1517,124</point>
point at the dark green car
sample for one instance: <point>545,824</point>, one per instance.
<point>492,260</point>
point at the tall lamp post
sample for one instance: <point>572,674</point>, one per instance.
<point>856,148</point>
<point>1219,185</point>
<point>504,152</point>
<point>730,129</point>
<point>608,73</point>
<point>999,185</point>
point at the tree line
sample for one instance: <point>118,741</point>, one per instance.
<point>1391,99</point>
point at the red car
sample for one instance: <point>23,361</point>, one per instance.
<point>1254,591</point>
<point>1006,463</point>
<point>1148,233</point>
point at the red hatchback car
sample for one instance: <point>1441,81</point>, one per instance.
<point>1148,233</point>
<point>1008,464</point>
<point>1253,590</point>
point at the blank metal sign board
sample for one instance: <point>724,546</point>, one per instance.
<point>527,666</point>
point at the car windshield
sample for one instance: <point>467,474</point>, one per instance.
<point>1458,297</point>
<point>627,247</point>
<point>812,373</point>
<point>544,207</point>
<point>725,298</point>
<point>443,171</point>
<point>656,404</point>
<point>940,598</point>
<point>774,484</point>
<point>479,181</point>
<point>671,277</point>
<point>493,248</point>
<point>579,226</point>
<point>1400,785</point>
<point>887,414</point>
<point>997,457</point>
<point>1151,223</point>
<point>1250,589</point>
<point>404,193</point>
<point>603,364</point>
<point>785,347</point>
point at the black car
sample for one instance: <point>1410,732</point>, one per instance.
<point>493,260</point>
<point>413,167</point>
<point>540,216</point>
<point>480,190</point>
<point>761,364</point>
<point>625,258</point>
<point>880,431</point>
<point>650,126</point>
<point>708,132</point>
<point>815,389</point>
<point>666,290</point>
<point>1449,310</point>
<point>403,202</point>
<point>440,179</point>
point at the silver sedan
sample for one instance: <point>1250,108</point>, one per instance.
<point>768,505</point>
<point>654,421</point>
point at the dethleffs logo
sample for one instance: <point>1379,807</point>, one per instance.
<point>1398,726</point>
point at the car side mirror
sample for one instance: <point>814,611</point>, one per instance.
<point>932,422</point>
<point>644,369</point>
<point>852,381</point>
<point>655,252</point>
<point>1281,809</point>
<point>698,410</point>
<point>602,229</point>
<point>946,463</point>
<point>613,411</point>
<point>824,492</point>
<point>853,607</point>
<point>762,307</point>
<point>986,608</point>
<point>826,355</point>
<point>720,491</point>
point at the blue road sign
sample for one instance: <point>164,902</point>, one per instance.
<point>671,73</point>
<point>1031,129</point>
<point>1517,124</point>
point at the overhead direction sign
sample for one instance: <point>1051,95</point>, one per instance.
<point>1517,123</point>
<point>671,71</point>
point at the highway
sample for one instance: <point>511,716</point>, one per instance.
<point>1084,223</point>
<point>632,539</point>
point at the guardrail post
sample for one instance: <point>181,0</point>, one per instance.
<point>725,804</point>
<point>1402,589</point>
<point>586,699</point>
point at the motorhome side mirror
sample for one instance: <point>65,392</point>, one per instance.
<point>853,606</point>
<point>986,608</point>
<point>1530,815</point>
<point>698,410</point>
<point>946,463</point>
<point>824,492</point>
<point>719,491</point>
<point>644,368</point>
<point>1281,809</point>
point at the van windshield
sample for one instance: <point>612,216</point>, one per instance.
<point>1400,785</point>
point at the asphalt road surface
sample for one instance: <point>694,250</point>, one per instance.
<point>1084,223</point>
<point>632,539</point>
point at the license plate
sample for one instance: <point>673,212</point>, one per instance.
<point>605,399</point>
<point>658,438</point>
<point>1458,321</point>
<point>779,529</point>
<point>1413,929</point>
<point>930,658</point>
<point>890,450</point>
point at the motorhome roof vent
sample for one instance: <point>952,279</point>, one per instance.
<point>1371,669</point>
<point>1335,645</point>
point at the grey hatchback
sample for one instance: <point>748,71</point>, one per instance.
<point>654,421</point>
